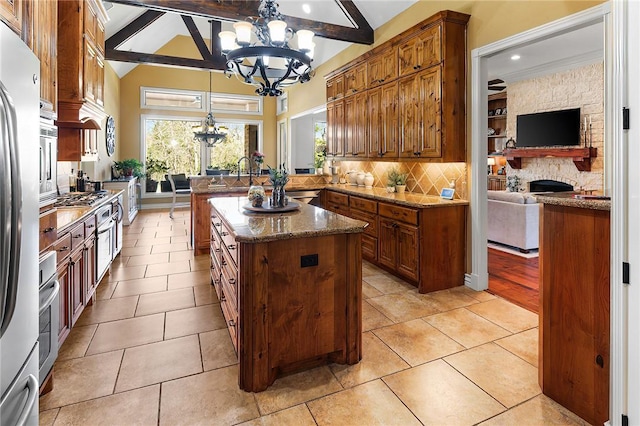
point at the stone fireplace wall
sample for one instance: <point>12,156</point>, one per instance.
<point>582,88</point>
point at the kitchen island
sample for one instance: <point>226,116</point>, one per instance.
<point>574,293</point>
<point>290,287</point>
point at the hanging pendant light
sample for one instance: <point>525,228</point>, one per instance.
<point>208,131</point>
<point>269,64</point>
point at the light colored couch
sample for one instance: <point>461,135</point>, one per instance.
<point>513,219</point>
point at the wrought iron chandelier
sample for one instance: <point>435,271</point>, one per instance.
<point>208,131</point>
<point>269,64</point>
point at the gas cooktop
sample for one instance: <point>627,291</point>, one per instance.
<point>80,199</point>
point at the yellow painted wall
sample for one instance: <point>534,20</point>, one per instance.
<point>490,21</point>
<point>181,78</point>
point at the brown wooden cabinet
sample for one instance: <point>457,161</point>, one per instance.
<point>355,132</point>
<point>11,14</point>
<point>76,257</point>
<point>335,128</point>
<point>420,124</point>
<point>81,92</point>
<point>382,68</point>
<point>574,357</point>
<point>497,182</point>
<point>40,32</point>
<point>420,51</point>
<point>48,230</point>
<point>355,79</point>
<point>383,121</point>
<point>497,121</point>
<point>201,220</point>
<point>426,117</point>
<point>425,246</point>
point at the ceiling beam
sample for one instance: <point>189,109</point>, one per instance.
<point>236,10</point>
<point>133,28</point>
<point>197,37</point>
<point>216,63</point>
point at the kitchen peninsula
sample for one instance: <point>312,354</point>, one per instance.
<point>290,287</point>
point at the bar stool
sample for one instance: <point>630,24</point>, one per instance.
<point>175,191</point>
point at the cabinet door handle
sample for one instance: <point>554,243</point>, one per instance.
<point>232,323</point>
<point>78,236</point>
<point>600,361</point>
<point>231,247</point>
<point>232,280</point>
<point>49,229</point>
<point>63,248</point>
<point>90,226</point>
<point>224,234</point>
<point>217,224</point>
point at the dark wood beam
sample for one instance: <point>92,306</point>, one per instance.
<point>353,13</point>
<point>216,48</point>
<point>239,10</point>
<point>216,63</point>
<point>197,37</point>
<point>133,28</point>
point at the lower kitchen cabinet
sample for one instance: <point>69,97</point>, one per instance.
<point>76,258</point>
<point>201,220</point>
<point>424,245</point>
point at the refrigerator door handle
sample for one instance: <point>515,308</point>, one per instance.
<point>10,216</point>
<point>32,386</point>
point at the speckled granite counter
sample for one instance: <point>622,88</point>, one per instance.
<point>66,217</point>
<point>308,221</point>
<point>567,199</point>
<point>409,199</point>
<point>231,184</point>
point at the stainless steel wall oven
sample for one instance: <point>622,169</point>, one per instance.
<point>49,313</point>
<point>48,159</point>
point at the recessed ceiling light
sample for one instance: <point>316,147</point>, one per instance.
<point>306,8</point>
<point>515,57</point>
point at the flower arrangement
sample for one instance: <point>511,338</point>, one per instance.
<point>258,157</point>
<point>279,178</point>
<point>256,195</point>
<point>395,178</point>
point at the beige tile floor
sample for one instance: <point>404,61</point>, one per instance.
<point>153,350</point>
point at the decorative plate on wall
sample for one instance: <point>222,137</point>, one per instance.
<point>110,136</point>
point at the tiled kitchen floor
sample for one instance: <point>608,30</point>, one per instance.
<point>154,350</point>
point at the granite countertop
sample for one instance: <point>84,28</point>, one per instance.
<point>67,217</point>
<point>568,199</point>
<point>308,221</point>
<point>409,199</point>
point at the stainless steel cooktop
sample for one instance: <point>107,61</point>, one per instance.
<point>80,199</point>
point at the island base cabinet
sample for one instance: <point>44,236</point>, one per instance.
<point>574,320</point>
<point>294,314</point>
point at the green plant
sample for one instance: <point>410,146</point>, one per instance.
<point>395,178</point>
<point>130,167</point>
<point>156,169</point>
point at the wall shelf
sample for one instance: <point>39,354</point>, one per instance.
<point>581,156</point>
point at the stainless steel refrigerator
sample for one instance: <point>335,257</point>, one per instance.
<point>19,188</point>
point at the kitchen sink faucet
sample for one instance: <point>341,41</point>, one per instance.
<point>250,170</point>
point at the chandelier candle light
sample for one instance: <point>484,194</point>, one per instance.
<point>208,131</point>
<point>269,64</point>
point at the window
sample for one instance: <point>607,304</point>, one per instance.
<point>282,104</point>
<point>238,104</point>
<point>185,100</point>
<point>168,142</point>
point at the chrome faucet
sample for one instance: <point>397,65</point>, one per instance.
<point>250,170</point>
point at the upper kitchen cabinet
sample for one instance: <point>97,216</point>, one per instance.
<point>81,91</point>
<point>11,14</point>
<point>425,67</point>
<point>420,51</point>
<point>355,79</point>
<point>40,32</point>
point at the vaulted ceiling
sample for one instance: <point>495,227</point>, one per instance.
<point>138,28</point>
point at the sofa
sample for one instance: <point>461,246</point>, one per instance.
<point>513,219</point>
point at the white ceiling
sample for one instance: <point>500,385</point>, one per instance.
<point>570,50</point>
<point>376,12</point>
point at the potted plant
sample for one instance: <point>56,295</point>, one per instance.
<point>397,180</point>
<point>130,167</point>
<point>155,170</point>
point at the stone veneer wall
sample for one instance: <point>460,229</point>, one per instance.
<point>424,178</point>
<point>578,88</point>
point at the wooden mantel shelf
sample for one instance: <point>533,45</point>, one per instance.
<point>581,156</point>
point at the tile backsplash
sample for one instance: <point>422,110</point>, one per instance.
<point>424,178</point>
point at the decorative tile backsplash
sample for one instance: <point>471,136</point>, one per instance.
<point>424,178</point>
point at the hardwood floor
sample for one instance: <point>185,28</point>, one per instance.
<point>514,278</point>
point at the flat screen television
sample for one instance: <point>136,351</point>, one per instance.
<point>552,128</point>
